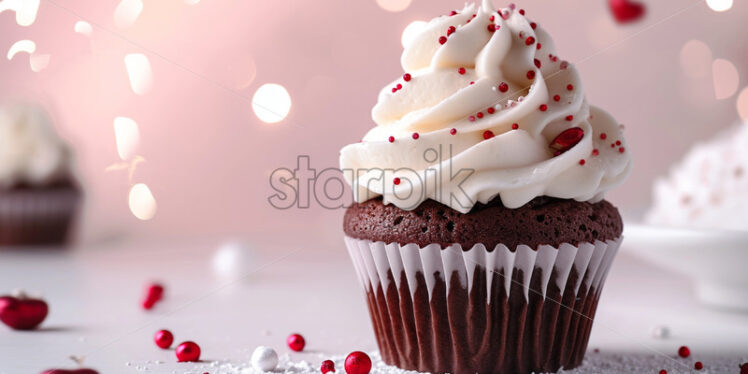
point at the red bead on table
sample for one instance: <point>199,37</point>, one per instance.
<point>296,342</point>
<point>154,293</point>
<point>698,365</point>
<point>357,363</point>
<point>188,352</point>
<point>163,339</point>
<point>684,352</point>
<point>327,366</point>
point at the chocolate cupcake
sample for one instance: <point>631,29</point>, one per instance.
<point>39,197</point>
<point>479,232</point>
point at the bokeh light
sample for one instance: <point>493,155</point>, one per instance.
<point>127,12</point>
<point>127,137</point>
<point>394,5</point>
<point>742,104</point>
<point>139,72</point>
<point>271,103</point>
<point>696,59</point>
<point>411,31</point>
<point>83,27</point>
<point>726,78</point>
<point>25,45</point>
<point>25,10</point>
<point>719,5</point>
<point>142,203</point>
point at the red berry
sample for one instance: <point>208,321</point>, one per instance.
<point>295,341</point>
<point>163,339</point>
<point>515,126</point>
<point>582,162</point>
<point>569,117</point>
<point>683,351</point>
<point>543,107</point>
<point>327,366</point>
<point>154,294</point>
<point>537,63</point>
<point>442,39</point>
<point>415,135</point>
<point>603,136</point>
<point>503,87</point>
<point>567,139</point>
<point>391,139</point>
<point>570,87</point>
<point>188,352</point>
<point>556,97</point>
<point>479,115</point>
<point>491,110</point>
<point>531,74</point>
<point>488,134</point>
<point>407,77</point>
<point>462,71</point>
<point>530,40</point>
<point>357,363</point>
<point>396,181</point>
<point>453,131</point>
<point>698,365</point>
<point>533,25</point>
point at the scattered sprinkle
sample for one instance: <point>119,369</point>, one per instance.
<point>488,134</point>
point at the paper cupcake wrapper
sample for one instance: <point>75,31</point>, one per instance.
<point>37,217</point>
<point>464,311</point>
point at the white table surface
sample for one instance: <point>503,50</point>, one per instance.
<point>94,293</point>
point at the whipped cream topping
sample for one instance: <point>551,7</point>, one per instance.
<point>483,98</point>
<point>707,189</point>
<point>31,153</point>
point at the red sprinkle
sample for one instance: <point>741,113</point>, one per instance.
<point>296,342</point>
<point>522,12</point>
<point>618,142</point>
<point>567,139</point>
<point>570,87</point>
<point>569,117</point>
<point>556,98</point>
<point>396,181</point>
<point>394,89</point>
<point>488,134</point>
<point>453,13</point>
<point>492,18</point>
<point>453,131</point>
<point>442,39</point>
<point>515,126</point>
<point>479,115</point>
<point>530,40</point>
<point>503,87</point>
<point>415,135</point>
<point>407,77</point>
<point>582,162</point>
<point>491,110</point>
<point>391,139</point>
<point>492,27</point>
<point>399,86</point>
<point>540,46</point>
<point>533,25</point>
<point>603,136</point>
<point>622,150</point>
<point>451,30</point>
<point>537,63</point>
<point>543,107</point>
<point>462,71</point>
<point>471,118</point>
<point>531,74</point>
<point>595,152</point>
<point>698,365</point>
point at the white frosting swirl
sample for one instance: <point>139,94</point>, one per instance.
<point>446,102</point>
<point>30,150</point>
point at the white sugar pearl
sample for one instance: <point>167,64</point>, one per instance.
<point>660,332</point>
<point>264,358</point>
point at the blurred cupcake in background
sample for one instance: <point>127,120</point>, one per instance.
<point>708,189</point>
<point>39,196</point>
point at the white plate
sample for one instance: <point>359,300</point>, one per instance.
<point>717,261</point>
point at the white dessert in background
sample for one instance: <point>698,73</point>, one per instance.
<point>708,189</point>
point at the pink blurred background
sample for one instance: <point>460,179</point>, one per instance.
<point>208,156</point>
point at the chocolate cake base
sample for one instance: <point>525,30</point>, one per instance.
<point>459,332</point>
<point>38,216</point>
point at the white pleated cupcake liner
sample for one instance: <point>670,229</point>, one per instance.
<point>373,261</point>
